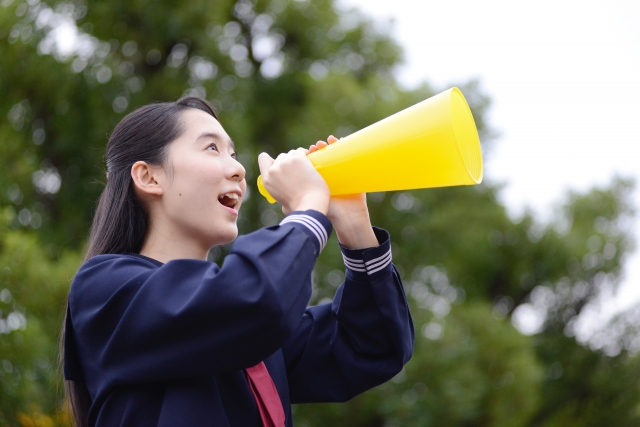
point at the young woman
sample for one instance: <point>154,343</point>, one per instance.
<point>155,335</point>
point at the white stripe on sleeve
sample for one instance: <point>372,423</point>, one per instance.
<point>312,224</point>
<point>354,264</point>
<point>372,268</point>
<point>369,267</point>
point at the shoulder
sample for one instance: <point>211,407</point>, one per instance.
<point>108,264</point>
<point>104,273</point>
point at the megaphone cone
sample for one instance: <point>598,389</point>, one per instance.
<point>431,144</point>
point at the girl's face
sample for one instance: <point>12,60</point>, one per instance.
<point>204,183</point>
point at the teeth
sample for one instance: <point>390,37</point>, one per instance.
<point>233,196</point>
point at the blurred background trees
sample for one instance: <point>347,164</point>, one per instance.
<point>285,73</point>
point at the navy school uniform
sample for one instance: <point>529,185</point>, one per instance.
<point>166,344</point>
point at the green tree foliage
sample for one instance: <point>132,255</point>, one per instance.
<point>469,368</point>
<point>467,266</point>
<point>285,73</point>
<point>34,289</point>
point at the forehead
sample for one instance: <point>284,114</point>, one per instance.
<point>197,123</point>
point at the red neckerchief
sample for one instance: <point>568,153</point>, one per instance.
<point>266,395</point>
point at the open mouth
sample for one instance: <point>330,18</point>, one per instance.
<point>229,200</point>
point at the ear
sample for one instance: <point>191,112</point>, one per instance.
<point>147,178</point>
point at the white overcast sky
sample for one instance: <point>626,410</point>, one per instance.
<point>564,77</point>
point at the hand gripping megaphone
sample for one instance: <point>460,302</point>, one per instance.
<point>431,144</point>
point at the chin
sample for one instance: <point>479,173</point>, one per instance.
<point>225,237</point>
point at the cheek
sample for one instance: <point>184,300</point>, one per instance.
<point>195,187</point>
<point>204,195</point>
<point>197,181</point>
<point>198,170</point>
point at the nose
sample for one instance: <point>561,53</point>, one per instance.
<point>235,170</point>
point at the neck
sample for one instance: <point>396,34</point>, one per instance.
<point>164,244</point>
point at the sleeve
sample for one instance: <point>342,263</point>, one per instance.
<point>360,340</point>
<point>134,323</point>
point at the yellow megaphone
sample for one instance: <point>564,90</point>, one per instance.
<point>431,144</point>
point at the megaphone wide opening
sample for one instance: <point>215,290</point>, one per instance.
<point>466,135</point>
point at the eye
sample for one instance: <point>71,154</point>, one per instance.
<point>212,145</point>
<point>235,156</point>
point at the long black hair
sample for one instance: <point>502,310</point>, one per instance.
<point>120,222</point>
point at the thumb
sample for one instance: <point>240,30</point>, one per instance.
<point>264,162</point>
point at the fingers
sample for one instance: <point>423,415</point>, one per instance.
<point>318,145</point>
<point>292,180</point>
<point>321,144</point>
<point>264,162</point>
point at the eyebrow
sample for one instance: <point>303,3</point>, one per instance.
<point>218,137</point>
